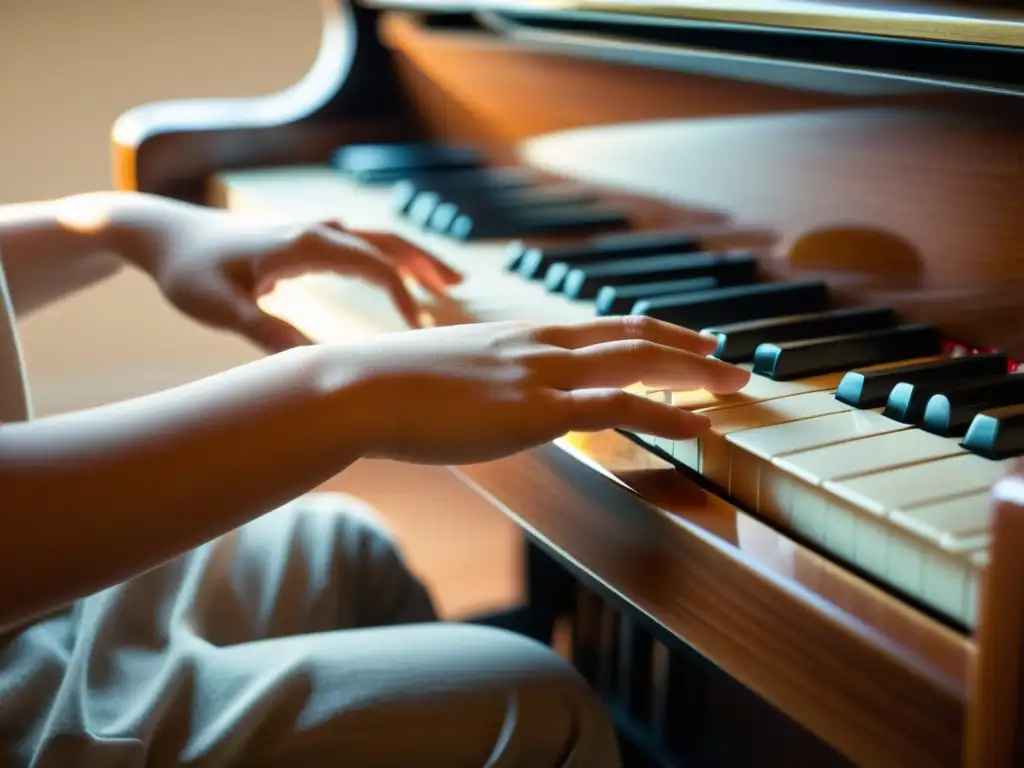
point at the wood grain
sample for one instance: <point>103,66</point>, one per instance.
<point>995,726</point>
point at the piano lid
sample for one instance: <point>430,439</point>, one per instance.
<point>965,22</point>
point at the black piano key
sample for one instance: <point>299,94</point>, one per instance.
<point>950,413</point>
<point>491,202</point>
<point>534,262</point>
<point>515,253</point>
<point>437,208</point>
<point>908,398</point>
<point>386,163</point>
<point>585,282</point>
<point>526,222</point>
<point>733,305</point>
<point>737,341</point>
<point>405,190</point>
<point>619,299</point>
<point>423,206</point>
<point>554,278</point>
<point>997,433</point>
<point>787,360</point>
<point>872,389</point>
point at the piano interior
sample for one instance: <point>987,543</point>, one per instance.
<point>832,575</point>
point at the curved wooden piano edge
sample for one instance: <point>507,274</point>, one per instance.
<point>170,148</point>
<point>995,716</point>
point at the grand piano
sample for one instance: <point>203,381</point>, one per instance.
<point>834,575</point>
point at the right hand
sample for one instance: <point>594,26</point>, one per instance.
<point>471,393</point>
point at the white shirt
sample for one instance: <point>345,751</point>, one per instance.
<point>14,400</point>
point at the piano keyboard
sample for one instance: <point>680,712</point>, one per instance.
<point>859,433</point>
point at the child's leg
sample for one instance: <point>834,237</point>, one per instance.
<point>275,645</point>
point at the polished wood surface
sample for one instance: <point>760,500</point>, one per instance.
<point>995,727</point>
<point>921,210</point>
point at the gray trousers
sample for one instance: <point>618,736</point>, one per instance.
<point>279,645</point>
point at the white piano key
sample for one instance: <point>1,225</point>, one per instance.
<point>942,578</point>
<point>759,389</point>
<point>956,523</point>
<point>711,455</point>
<point>781,439</point>
<point>885,492</point>
<point>874,454</point>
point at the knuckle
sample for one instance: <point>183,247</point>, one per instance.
<point>301,238</point>
<point>621,401</point>
<point>641,348</point>
<point>522,331</point>
<point>637,325</point>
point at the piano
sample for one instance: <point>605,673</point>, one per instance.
<point>834,575</point>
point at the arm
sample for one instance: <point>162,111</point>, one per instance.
<point>92,498</point>
<point>53,248</point>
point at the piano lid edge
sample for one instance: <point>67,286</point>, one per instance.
<point>854,58</point>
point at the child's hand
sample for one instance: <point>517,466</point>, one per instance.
<point>471,393</point>
<point>214,266</point>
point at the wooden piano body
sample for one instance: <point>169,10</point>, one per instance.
<point>880,151</point>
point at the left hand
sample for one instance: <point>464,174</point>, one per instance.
<point>214,266</point>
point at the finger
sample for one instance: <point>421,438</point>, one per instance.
<point>593,410</point>
<point>272,333</point>
<point>427,269</point>
<point>606,329</point>
<point>345,255</point>
<point>622,363</point>
<point>430,271</point>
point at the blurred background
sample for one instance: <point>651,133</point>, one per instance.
<point>67,70</point>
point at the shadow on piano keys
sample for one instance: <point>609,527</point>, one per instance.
<point>832,575</point>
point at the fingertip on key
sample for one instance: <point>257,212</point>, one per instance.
<point>729,379</point>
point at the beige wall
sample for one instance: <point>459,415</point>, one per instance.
<point>67,70</point>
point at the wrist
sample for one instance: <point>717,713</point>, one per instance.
<point>346,395</point>
<point>130,225</point>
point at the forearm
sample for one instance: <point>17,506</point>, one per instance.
<point>55,247</point>
<point>91,498</point>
